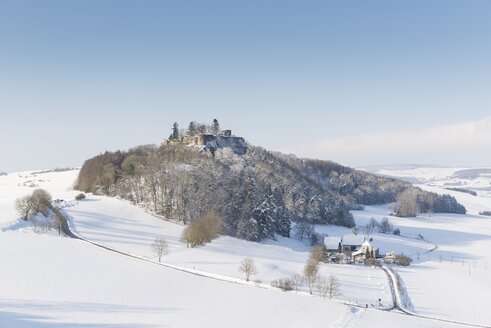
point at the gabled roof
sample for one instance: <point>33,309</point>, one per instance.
<point>353,240</point>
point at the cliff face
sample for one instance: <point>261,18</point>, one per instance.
<point>210,142</point>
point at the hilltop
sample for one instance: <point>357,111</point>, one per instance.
<point>258,193</point>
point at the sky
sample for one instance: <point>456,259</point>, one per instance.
<point>358,82</point>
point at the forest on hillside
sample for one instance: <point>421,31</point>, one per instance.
<point>257,194</point>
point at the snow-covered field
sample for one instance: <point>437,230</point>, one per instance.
<point>453,281</point>
<point>122,226</point>
<point>51,281</point>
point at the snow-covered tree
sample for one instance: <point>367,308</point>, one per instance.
<point>248,229</point>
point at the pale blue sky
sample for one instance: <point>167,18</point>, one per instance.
<point>80,77</point>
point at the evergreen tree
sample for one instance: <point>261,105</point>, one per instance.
<point>175,132</point>
<point>248,230</point>
<point>270,220</point>
<point>192,128</point>
<point>215,127</point>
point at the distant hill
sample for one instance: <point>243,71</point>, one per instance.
<point>257,192</point>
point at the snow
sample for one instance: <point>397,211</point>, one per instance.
<point>452,281</point>
<point>122,226</point>
<point>51,281</point>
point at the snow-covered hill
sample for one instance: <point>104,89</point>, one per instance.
<point>51,281</point>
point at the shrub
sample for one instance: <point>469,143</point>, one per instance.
<point>372,262</point>
<point>285,284</point>
<point>80,196</point>
<point>297,281</point>
<point>486,213</point>
<point>202,230</point>
<point>396,232</point>
<point>403,260</point>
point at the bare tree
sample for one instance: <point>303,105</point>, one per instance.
<point>41,201</point>
<point>160,247</point>
<point>318,253</point>
<point>333,286</point>
<point>303,230</point>
<point>310,272</point>
<point>58,220</point>
<point>322,285</point>
<point>38,202</point>
<point>407,203</point>
<point>248,267</point>
<point>24,207</point>
<point>297,281</point>
<point>385,226</point>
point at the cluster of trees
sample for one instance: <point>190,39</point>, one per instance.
<point>384,226</point>
<point>195,128</point>
<point>325,286</point>
<point>39,202</point>
<point>257,194</point>
<point>414,201</point>
<point>467,191</point>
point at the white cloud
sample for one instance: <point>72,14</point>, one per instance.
<point>458,144</point>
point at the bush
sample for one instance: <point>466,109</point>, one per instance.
<point>80,196</point>
<point>403,260</point>
<point>372,262</point>
<point>285,284</point>
<point>396,232</point>
<point>202,230</point>
<point>486,213</point>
